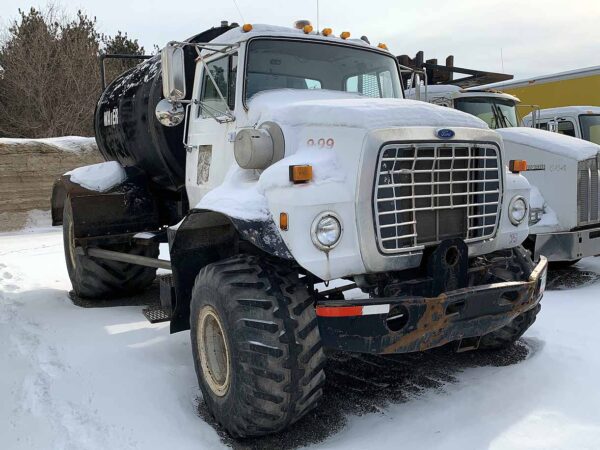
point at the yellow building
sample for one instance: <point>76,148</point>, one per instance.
<point>576,87</point>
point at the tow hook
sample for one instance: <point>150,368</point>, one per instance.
<point>468,344</point>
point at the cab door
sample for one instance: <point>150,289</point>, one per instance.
<point>209,139</point>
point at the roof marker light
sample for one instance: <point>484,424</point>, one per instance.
<point>345,34</point>
<point>307,29</point>
<point>247,27</point>
<point>326,31</point>
<point>381,45</point>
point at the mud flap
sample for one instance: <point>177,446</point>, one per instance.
<point>126,208</point>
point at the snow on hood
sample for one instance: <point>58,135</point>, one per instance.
<point>98,177</point>
<point>320,107</point>
<point>555,143</point>
<point>243,192</point>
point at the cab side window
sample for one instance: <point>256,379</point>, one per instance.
<point>566,127</point>
<point>223,71</point>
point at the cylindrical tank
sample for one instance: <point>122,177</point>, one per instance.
<point>126,127</point>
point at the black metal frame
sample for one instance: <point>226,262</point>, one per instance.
<point>444,74</point>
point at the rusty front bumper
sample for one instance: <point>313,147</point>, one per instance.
<point>402,325</point>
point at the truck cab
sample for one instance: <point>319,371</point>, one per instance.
<point>582,122</point>
<point>303,165</point>
<point>563,170</point>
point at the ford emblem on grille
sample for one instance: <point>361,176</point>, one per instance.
<point>445,133</point>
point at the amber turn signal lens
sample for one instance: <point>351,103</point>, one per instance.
<point>300,174</point>
<point>517,165</point>
<point>326,31</point>
<point>307,29</point>
<point>247,27</point>
<point>345,34</point>
<point>283,221</point>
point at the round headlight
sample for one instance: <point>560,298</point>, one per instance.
<point>517,210</point>
<point>326,231</point>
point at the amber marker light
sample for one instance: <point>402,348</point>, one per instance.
<point>247,27</point>
<point>326,31</point>
<point>517,165</point>
<point>382,46</point>
<point>283,221</point>
<point>300,174</point>
<point>307,29</point>
<point>345,34</point>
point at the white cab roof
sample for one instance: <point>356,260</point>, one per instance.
<point>237,35</point>
<point>570,110</point>
<point>451,91</point>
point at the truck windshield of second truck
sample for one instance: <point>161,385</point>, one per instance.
<point>590,127</point>
<point>280,64</point>
<point>496,112</point>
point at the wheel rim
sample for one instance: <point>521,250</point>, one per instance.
<point>214,352</point>
<point>71,238</point>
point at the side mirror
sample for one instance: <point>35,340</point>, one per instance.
<point>170,114</point>
<point>553,126</point>
<point>173,73</point>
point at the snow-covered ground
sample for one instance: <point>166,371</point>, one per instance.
<point>97,378</point>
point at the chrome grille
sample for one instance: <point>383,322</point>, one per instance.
<point>588,194</point>
<point>426,193</point>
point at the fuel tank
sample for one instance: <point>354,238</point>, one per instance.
<point>126,127</point>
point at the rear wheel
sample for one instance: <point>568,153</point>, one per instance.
<point>256,345</point>
<point>101,278</point>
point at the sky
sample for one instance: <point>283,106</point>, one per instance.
<point>522,37</point>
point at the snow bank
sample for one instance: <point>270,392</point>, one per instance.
<point>75,144</point>
<point>323,108</point>
<point>555,143</point>
<point>98,177</point>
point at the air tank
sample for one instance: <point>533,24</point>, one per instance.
<point>126,127</point>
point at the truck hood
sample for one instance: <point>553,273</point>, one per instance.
<point>294,107</point>
<point>554,143</point>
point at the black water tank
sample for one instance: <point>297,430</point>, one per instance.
<point>126,127</point>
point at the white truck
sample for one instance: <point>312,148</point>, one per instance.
<point>273,160</point>
<point>563,171</point>
<point>582,122</point>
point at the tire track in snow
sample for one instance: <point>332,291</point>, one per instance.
<point>34,395</point>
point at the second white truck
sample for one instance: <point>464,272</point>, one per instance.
<point>582,122</point>
<point>564,171</point>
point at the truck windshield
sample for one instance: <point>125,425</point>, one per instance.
<point>278,64</point>
<point>496,112</point>
<point>590,127</point>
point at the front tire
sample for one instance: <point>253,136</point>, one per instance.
<point>256,345</point>
<point>96,278</point>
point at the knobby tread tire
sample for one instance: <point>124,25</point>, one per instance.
<point>96,278</point>
<point>509,334</point>
<point>275,348</point>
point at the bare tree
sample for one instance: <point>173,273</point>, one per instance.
<point>50,79</point>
